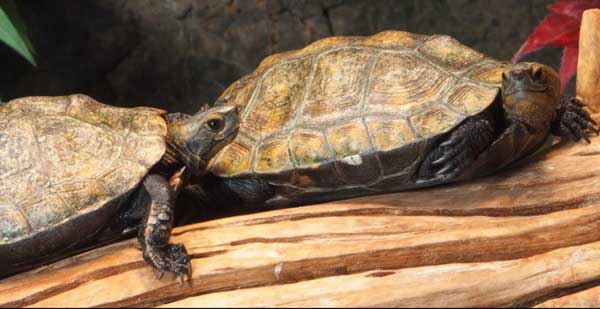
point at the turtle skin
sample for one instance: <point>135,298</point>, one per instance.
<point>353,116</point>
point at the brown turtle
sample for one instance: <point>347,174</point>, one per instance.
<point>74,170</point>
<point>349,116</point>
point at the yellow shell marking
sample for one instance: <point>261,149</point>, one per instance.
<point>309,147</point>
<point>434,121</point>
<point>449,53</point>
<point>393,39</point>
<point>336,85</point>
<point>272,156</point>
<point>490,73</point>
<point>389,134</point>
<point>349,139</point>
<point>469,98</point>
<point>280,94</point>
<point>401,83</point>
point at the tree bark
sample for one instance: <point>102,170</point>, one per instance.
<point>521,237</point>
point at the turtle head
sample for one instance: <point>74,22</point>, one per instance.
<point>531,93</point>
<point>194,140</point>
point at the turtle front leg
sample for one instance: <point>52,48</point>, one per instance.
<point>155,231</point>
<point>572,121</point>
<point>462,147</point>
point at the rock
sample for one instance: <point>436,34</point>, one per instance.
<point>181,54</point>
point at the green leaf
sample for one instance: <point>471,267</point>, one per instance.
<point>10,7</point>
<point>12,31</point>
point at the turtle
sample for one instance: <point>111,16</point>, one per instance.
<point>352,116</point>
<point>75,171</point>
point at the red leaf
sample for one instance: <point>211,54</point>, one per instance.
<point>568,64</point>
<point>573,8</point>
<point>555,30</point>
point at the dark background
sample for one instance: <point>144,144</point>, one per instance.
<point>179,54</point>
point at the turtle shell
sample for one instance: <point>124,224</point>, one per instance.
<point>69,157</point>
<point>351,100</point>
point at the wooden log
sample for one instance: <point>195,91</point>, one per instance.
<point>588,65</point>
<point>521,237</point>
<point>587,298</point>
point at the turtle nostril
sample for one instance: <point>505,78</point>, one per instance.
<point>518,74</point>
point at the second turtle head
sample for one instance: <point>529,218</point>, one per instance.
<point>198,138</point>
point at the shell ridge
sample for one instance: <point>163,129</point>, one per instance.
<point>411,126</point>
<point>251,105</point>
<point>367,83</point>
<point>20,212</point>
<point>64,203</point>
<point>42,159</point>
<point>291,155</point>
<point>313,72</point>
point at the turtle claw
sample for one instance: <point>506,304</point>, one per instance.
<point>171,258</point>
<point>445,169</point>
<point>160,274</point>
<point>443,159</point>
<point>451,142</point>
<point>574,122</point>
<point>457,154</point>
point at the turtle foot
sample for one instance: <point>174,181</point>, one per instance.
<point>573,121</point>
<point>171,258</point>
<point>454,155</point>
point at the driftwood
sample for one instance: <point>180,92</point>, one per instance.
<point>588,65</point>
<point>525,237</point>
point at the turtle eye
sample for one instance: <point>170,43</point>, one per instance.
<point>538,74</point>
<point>215,124</point>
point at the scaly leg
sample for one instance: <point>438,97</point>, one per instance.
<point>155,231</point>
<point>462,147</point>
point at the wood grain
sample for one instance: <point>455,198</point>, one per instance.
<point>588,65</point>
<point>515,238</point>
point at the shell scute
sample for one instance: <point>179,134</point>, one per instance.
<point>80,194</point>
<point>449,53</point>
<point>44,211</point>
<point>468,98</point>
<point>37,106</point>
<point>389,134</point>
<point>435,120</point>
<point>349,139</point>
<point>240,92</point>
<point>309,147</point>
<point>394,39</point>
<point>12,223</point>
<point>235,157</point>
<point>336,85</point>
<point>72,149</point>
<point>490,72</point>
<point>402,83</point>
<point>122,176</point>
<point>272,156</point>
<point>280,94</point>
